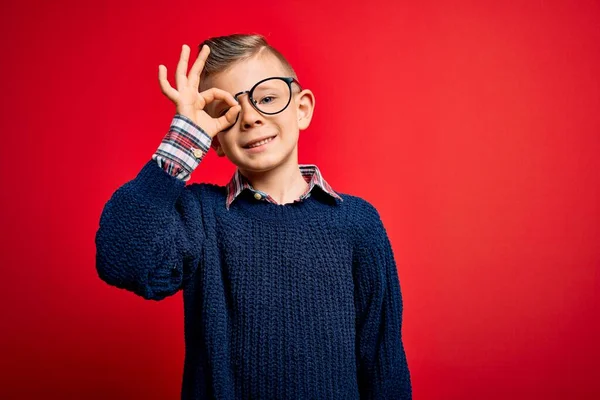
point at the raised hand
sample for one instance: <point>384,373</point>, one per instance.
<point>188,101</point>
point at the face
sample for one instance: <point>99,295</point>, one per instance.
<point>251,124</point>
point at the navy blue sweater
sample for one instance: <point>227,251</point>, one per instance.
<point>294,301</point>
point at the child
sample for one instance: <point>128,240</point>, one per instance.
<point>290,289</point>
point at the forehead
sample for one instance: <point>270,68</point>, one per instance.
<point>244,74</point>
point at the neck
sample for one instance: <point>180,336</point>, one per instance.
<point>283,183</point>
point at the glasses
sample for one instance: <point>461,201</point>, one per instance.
<point>269,96</point>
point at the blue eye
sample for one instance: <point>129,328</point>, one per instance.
<point>268,97</point>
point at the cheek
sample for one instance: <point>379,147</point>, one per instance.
<point>287,122</point>
<point>224,140</point>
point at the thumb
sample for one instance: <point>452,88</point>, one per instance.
<point>230,116</point>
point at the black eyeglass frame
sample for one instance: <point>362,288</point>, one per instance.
<point>287,79</point>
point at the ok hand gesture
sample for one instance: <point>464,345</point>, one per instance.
<point>188,101</point>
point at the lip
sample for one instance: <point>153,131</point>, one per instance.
<point>261,147</point>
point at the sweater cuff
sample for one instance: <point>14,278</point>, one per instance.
<point>157,185</point>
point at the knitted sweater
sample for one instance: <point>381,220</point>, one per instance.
<point>294,301</point>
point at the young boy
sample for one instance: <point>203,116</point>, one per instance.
<point>290,289</point>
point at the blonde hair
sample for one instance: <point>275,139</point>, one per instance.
<point>225,51</point>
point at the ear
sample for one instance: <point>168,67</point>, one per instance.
<point>305,103</point>
<point>216,145</point>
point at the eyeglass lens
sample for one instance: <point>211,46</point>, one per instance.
<point>269,97</point>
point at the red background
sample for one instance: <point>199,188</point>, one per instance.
<point>472,126</point>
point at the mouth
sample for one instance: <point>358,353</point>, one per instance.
<point>261,143</point>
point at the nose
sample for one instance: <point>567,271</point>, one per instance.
<point>249,115</point>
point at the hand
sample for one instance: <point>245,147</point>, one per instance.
<point>189,102</point>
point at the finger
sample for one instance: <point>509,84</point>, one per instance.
<point>229,117</point>
<point>196,71</point>
<point>182,65</point>
<point>165,86</point>
<point>211,94</point>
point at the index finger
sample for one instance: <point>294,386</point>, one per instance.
<point>214,93</point>
<point>194,76</point>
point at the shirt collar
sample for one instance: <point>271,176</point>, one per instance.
<point>310,173</point>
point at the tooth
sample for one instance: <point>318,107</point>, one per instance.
<point>260,143</point>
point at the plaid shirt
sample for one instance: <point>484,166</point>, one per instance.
<point>184,146</point>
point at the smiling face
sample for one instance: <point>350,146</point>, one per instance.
<point>284,127</point>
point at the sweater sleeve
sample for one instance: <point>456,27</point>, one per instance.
<point>150,234</point>
<point>381,360</point>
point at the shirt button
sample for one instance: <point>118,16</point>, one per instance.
<point>197,152</point>
<point>257,196</point>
